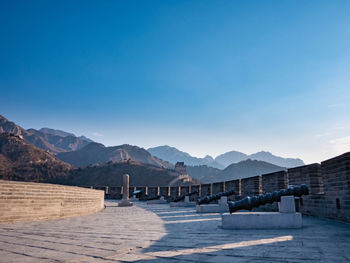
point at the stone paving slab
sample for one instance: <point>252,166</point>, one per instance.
<point>158,233</point>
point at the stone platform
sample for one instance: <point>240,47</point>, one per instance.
<point>159,233</point>
<point>261,220</point>
<point>221,207</point>
<point>285,218</point>
<point>185,203</point>
<point>211,208</point>
<point>182,204</point>
<point>157,201</point>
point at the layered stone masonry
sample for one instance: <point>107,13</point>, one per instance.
<point>23,201</point>
<point>251,186</point>
<point>328,182</point>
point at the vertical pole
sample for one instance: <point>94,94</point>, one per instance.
<point>126,186</point>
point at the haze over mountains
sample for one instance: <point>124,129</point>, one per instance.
<point>62,133</point>
<point>29,155</point>
<point>22,161</point>
<point>97,153</point>
<point>47,139</point>
<point>242,169</point>
<point>94,159</point>
<point>174,155</point>
<point>111,174</point>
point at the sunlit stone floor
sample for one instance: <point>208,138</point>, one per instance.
<point>158,233</point>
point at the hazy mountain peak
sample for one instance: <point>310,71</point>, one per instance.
<point>263,153</point>
<point>173,155</point>
<point>209,158</point>
<point>95,145</point>
<point>277,160</point>
<point>46,141</point>
<point>97,153</point>
<point>85,138</point>
<point>230,157</point>
<point>56,132</point>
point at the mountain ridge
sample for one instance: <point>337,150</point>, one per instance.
<point>22,161</point>
<point>243,169</point>
<point>173,155</point>
<point>96,153</point>
<point>45,141</point>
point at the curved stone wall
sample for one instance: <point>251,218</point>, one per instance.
<point>23,201</point>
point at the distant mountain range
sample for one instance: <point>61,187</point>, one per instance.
<point>243,169</point>
<point>54,141</point>
<point>97,153</point>
<point>22,161</point>
<point>49,155</point>
<point>235,157</point>
<point>174,155</point>
<point>111,174</point>
<point>62,134</point>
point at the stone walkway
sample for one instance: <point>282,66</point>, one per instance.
<point>158,233</point>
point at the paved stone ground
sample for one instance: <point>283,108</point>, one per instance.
<point>158,233</point>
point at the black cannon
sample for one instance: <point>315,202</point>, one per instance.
<point>248,203</point>
<point>209,198</point>
<point>136,193</point>
<point>182,197</point>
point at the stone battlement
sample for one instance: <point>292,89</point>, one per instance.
<point>329,184</point>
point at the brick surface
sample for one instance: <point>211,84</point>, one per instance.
<point>251,186</point>
<point>158,233</point>
<point>21,201</point>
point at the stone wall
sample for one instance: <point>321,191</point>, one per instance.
<point>274,181</point>
<point>165,191</point>
<point>236,186</point>
<point>218,187</point>
<point>328,182</point>
<point>194,188</point>
<point>22,201</point>
<point>336,188</point>
<point>206,189</point>
<point>309,175</point>
<point>251,186</point>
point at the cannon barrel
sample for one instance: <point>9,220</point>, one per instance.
<point>248,203</point>
<point>182,197</point>
<point>209,198</point>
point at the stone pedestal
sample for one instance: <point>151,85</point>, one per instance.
<point>287,204</point>
<point>185,203</point>
<point>125,201</point>
<point>134,198</point>
<point>158,201</point>
<point>286,218</point>
<point>221,207</point>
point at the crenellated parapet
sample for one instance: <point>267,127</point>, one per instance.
<point>328,182</point>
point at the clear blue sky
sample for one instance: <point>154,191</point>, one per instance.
<point>203,76</point>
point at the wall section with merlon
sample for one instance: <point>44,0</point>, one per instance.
<point>251,186</point>
<point>274,181</point>
<point>336,187</point>
<point>309,175</point>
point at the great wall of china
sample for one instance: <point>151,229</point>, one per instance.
<point>329,184</point>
